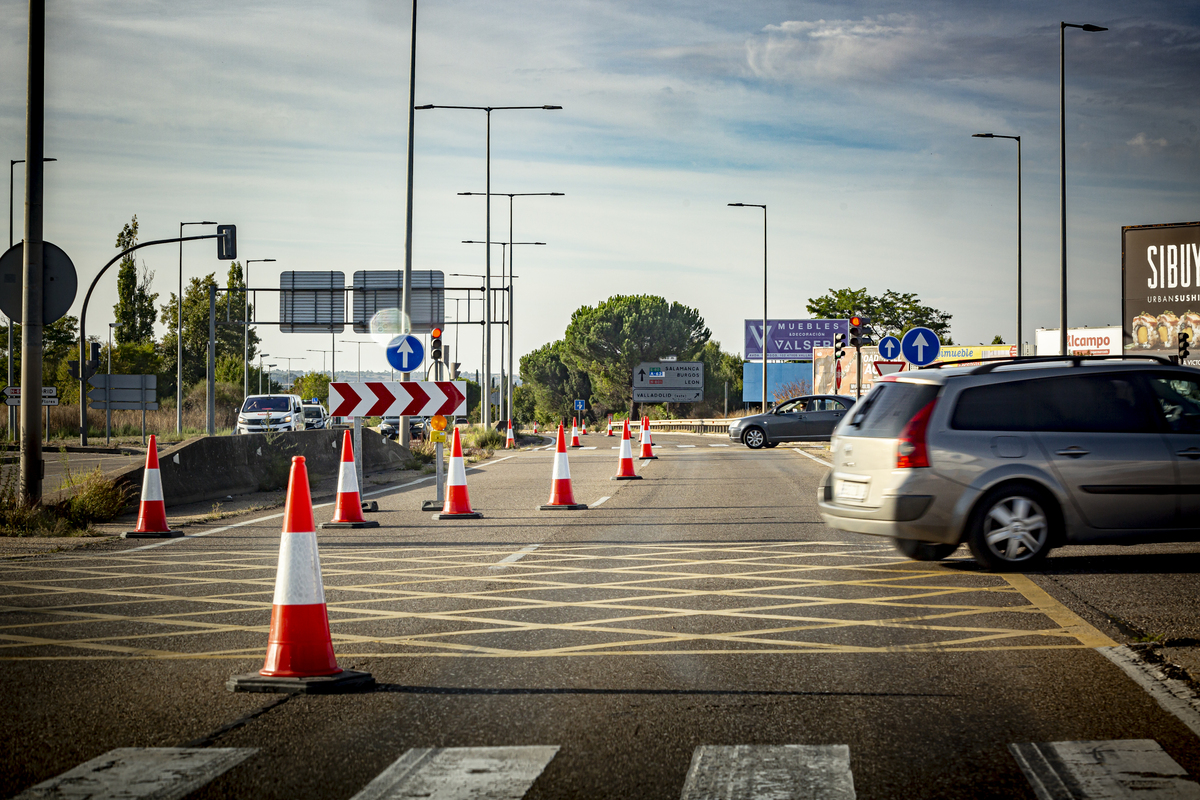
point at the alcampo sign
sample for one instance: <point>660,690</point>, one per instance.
<point>1160,286</point>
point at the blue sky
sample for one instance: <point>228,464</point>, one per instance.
<point>851,121</point>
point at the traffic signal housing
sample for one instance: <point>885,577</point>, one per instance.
<point>839,346</point>
<point>1184,340</point>
<point>856,332</point>
<point>435,344</point>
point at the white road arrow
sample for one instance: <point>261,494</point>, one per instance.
<point>890,347</point>
<point>920,343</point>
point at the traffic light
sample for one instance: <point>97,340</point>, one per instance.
<point>856,334</point>
<point>435,344</point>
<point>1184,337</point>
<point>868,335</point>
<point>839,346</point>
<point>226,242</point>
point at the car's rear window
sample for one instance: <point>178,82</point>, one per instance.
<point>266,404</point>
<point>887,409</point>
<point>312,413</point>
<point>1068,403</point>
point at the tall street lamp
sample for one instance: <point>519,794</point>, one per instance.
<point>360,344</point>
<point>108,391</point>
<point>511,269</point>
<point>261,356</point>
<point>764,336</point>
<point>1062,175</point>
<point>12,410</point>
<point>323,352</point>
<point>179,335</point>
<point>1017,139</point>
<point>246,325</point>
<point>290,359</point>
<point>486,417</point>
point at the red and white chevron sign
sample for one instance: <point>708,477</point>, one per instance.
<point>398,399</point>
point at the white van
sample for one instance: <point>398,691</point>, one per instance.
<point>271,412</point>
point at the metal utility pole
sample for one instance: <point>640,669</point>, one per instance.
<point>32,467</point>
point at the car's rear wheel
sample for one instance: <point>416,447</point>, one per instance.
<point>1011,528</point>
<point>924,551</point>
<point>754,438</point>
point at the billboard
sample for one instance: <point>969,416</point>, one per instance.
<point>1081,341</point>
<point>1160,286</point>
<point>791,339</point>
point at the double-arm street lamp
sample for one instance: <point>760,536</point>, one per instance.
<point>246,324</point>
<point>1017,139</point>
<point>179,335</point>
<point>486,417</point>
<point>764,336</point>
<point>1062,174</point>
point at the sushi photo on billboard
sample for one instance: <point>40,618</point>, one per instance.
<point>1160,287</point>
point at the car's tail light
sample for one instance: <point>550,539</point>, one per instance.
<point>911,451</point>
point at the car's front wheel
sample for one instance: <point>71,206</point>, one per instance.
<point>754,438</point>
<point>924,551</point>
<point>1011,528</point>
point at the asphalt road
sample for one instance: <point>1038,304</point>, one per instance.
<point>697,633</point>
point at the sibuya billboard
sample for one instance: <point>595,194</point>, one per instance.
<point>1160,286</point>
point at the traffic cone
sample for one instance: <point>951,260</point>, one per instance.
<point>646,443</point>
<point>561,496</point>
<point>585,429</point>
<point>510,442</point>
<point>610,433</point>
<point>625,466</point>
<point>458,502</point>
<point>152,513</point>
<point>348,510</point>
<point>575,432</point>
<point>535,430</point>
<point>299,647</point>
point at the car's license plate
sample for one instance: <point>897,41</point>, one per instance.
<point>852,490</point>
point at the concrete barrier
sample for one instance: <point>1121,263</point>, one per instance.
<point>215,467</point>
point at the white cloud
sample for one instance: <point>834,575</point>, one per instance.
<point>1142,142</point>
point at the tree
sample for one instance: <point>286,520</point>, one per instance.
<point>135,302</point>
<point>997,339</point>
<point>310,385</point>
<point>893,313</point>
<point>554,383</point>
<point>607,342</point>
<point>720,368</point>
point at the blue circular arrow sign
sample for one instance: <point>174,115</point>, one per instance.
<point>920,346</point>
<point>405,353</point>
<point>889,348</point>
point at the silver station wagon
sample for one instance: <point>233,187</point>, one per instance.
<point>1015,457</point>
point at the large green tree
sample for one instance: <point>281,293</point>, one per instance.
<point>135,302</point>
<point>892,313</point>
<point>607,342</point>
<point>554,382</point>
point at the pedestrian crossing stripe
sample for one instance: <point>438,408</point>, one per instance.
<point>1074,770</point>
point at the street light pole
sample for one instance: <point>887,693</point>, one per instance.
<point>1017,139</point>
<point>108,391</point>
<point>289,359</point>
<point>486,411</point>
<point>360,344</point>
<point>1062,176</point>
<point>246,325</point>
<point>179,334</point>
<point>12,410</point>
<point>261,356</point>
<point>764,336</point>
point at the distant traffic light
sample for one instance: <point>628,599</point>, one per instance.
<point>839,346</point>
<point>1184,337</point>
<point>867,337</point>
<point>435,344</point>
<point>856,335</point>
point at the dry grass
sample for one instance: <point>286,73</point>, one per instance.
<point>64,423</point>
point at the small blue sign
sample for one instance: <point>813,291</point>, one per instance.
<point>920,346</point>
<point>405,353</point>
<point>579,405</point>
<point>889,348</point>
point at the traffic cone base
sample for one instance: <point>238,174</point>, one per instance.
<point>349,507</point>
<point>152,511</point>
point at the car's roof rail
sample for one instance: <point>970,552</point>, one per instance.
<point>993,362</point>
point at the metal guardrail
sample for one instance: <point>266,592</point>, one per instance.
<point>687,425</point>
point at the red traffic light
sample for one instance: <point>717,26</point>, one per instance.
<point>436,333</point>
<point>855,321</point>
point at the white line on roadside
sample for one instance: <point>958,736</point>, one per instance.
<point>517,556</point>
<point>1173,695</point>
<point>590,447</point>
<point>814,458</point>
<point>718,445</point>
<point>132,772</point>
<point>601,500</point>
<point>780,771</point>
<point>685,445</point>
<point>1102,770</point>
<point>459,773</point>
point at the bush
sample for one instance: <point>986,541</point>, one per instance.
<point>482,438</point>
<point>97,499</point>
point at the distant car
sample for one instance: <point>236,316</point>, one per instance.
<point>808,418</point>
<point>390,427</point>
<point>315,417</point>
<point>270,412</point>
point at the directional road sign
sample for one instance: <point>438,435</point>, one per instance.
<point>668,395</point>
<point>889,348</point>
<point>669,375</point>
<point>16,401</point>
<point>580,405</point>
<point>135,392</point>
<point>398,398</point>
<point>920,346</point>
<point>405,353</point>
<point>15,391</point>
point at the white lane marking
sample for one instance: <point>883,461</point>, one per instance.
<point>781,772</point>
<point>718,445</point>
<point>814,458</point>
<point>600,501</point>
<point>685,445</point>
<point>517,556</point>
<point>591,447</point>
<point>460,773</point>
<point>1112,770</point>
<point>1173,695</point>
<point>135,772</point>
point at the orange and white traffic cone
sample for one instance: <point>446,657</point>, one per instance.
<point>535,430</point>
<point>509,441</point>
<point>585,429</point>
<point>575,432</point>
<point>625,466</point>
<point>610,433</point>
<point>646,443</point>
<point>299,647</point>
<point>152,512</point>
<point>562,498</point>
<point>348,509</point>
<point>458,501</point>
